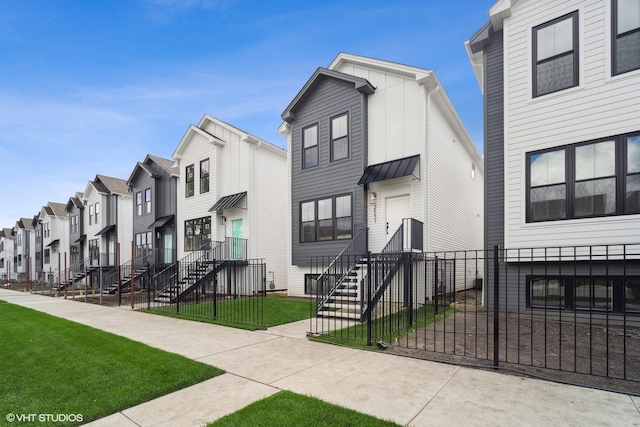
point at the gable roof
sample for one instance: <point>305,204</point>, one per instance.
<point>58,209</point>
<point>113,185</point>
<point>74,201</point>
<point>200,129</point>
<point>7,233</point>
<point>146,166</point>
<point>360,84</point>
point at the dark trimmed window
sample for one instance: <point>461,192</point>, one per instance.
<point>47,256</point>
<point>139,203</point>
<point>589,179</point>
<point>326,219</point>
<point>204,176</point>
<point>310,157</point>
<point>147,200</point>
<point>626,36</point>
<point>97,210</point>
<point>189,181</point>
<point>340,137</point>
<point>632,174</point>
<point>144,243</point>
<point>91,214</point>
<point>197,232</point>
<point>555,55</point>
<point>584,293</point>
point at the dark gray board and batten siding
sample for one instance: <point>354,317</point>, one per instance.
<point>328,98</point>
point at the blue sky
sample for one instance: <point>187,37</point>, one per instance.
<point>92,87</point>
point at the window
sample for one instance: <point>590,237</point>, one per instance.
<point>75,254</point>
<point>585,180</point>
<point>595,185</point>
<point>626,36</point>
<point>139,203</point>
<point>326,219</point>
<point>204,176</point>
<point>144,243</point>
<point>74,224</point>
<point>339,138</point>
<point>310,147</point>
<point>555,55</point>
<point>97,212</point>
<point>47,256</point>
<point>197,232</point>
<point>91,214</point>
<point>632,181</point>
<point>584,293</point>
<point>189,181</point>
<point>94,248</point>
<point>147,200</point>
<point>547,186</point>
<point>47,229</point>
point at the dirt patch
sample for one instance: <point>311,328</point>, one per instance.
<point>589,352</point>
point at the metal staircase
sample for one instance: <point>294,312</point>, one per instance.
<point>347,277</point>
<point>182,278</point>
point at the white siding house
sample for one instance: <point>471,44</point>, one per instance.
<point>561,80</point>
<point>55,238</point>
<point>232,185</point>
<point>7,267</point>
<point>395,113</point>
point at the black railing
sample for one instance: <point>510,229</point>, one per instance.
<point>340,275</point>
<point>568,314</point>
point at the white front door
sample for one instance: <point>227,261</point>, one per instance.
<point>395,209</point>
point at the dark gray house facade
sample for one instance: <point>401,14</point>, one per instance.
<point>153,184</point>
<point>325,195</point>
<point>77,238</point>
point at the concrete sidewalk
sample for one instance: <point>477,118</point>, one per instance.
<point>406,391</point>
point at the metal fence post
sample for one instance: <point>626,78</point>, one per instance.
<point>368,316</point>
<point>496,306</point>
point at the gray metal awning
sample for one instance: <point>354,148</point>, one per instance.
<point>227,202</point>
<point>389,170</point>
<point>105,230</point>
<point>81,239</point>
<point>53,243</point>
<point>160,222</point>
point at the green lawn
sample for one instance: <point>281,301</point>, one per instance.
<point>241,313</point>
<point>55,366</point>
<point>289,409</point>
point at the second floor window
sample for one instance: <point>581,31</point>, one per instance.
<point>310,156</point>
<point>97,210</point>
<point>626,36</point>
<point>91,214</point>
<point>147,200</point>
<point>189,181</point>
<point>139,203</point>
<point>204,176</point>
<point>555,55</point>
<point>339,137</point>
<point>74,224</point>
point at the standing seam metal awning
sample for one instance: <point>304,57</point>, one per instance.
<point>161,222</point>
<point>227,202</point>
<point>105,230</point>
<point>53,243</point>
<point>388,170</point>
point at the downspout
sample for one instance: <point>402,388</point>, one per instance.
<point>427,203</point>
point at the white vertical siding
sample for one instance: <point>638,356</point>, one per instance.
<point>124,228</point>
<point>599,107</point>
<point>455,198</point>
<point>270,220</point>
<point>198,205</point>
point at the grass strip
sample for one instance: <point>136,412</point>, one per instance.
<point>290,409</point>
<point>55,366</point>
<point>275,309</point>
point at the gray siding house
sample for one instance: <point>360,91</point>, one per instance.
<point>153,184</point>
<point>560,81</point>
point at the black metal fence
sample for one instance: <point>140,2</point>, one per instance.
<point>569,314</point>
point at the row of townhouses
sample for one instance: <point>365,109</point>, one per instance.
<point>374,147</point>
<point>369,143</point>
